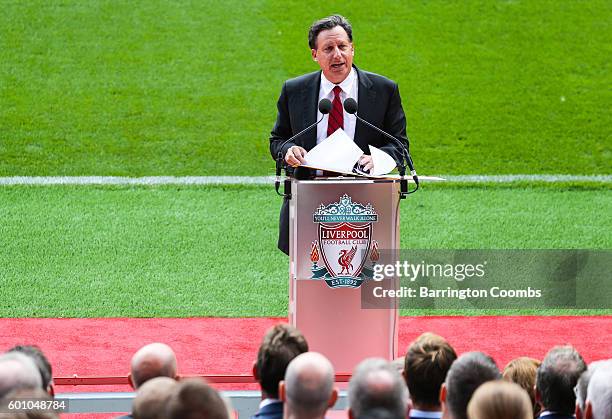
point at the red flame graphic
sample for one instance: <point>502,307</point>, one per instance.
<point>374,255</point>
<point>314,252</point>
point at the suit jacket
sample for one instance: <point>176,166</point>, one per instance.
<point>270,411</point>
<point>379,103</point>
<point>557,416</point>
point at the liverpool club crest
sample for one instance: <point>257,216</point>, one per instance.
<point>345,243</point>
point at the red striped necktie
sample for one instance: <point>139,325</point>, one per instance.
<point>336,116</point>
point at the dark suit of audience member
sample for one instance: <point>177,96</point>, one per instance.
<point>426,364</point>
<point>556,379</point>
<point>270,410</point>
<point>553,415</point>
<point>280,345</point>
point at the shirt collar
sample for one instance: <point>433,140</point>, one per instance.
<point>424,414</point>
<point>346,85</point>
<point>266,402</point>
<point>549,413</point>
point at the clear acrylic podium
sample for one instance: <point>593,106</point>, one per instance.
<point>336,228</point>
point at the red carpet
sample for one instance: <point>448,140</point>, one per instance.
<point>229,346</point>
<point>103,347</point>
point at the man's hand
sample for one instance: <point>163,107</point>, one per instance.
<point>295,155</point>
<point>366,163</point>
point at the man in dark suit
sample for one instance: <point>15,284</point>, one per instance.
<point>378,99</point>
<point>465,375</point>
<point>308,388</point>
<point>376,390</point>
<point>281,344</point>
<point>426,364</point>
<point>151,361</point>
<point>555,381</point>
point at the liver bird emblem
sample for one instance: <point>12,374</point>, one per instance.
<point>345,259</point>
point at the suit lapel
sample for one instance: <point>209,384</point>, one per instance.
<point>310,94</point>
<point>366,101</point>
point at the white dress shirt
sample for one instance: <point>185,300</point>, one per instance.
<point>349,89</point>
<point>423,414</point>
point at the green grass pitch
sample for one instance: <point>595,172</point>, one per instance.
<point>189,88</point>
<point>210,251</point>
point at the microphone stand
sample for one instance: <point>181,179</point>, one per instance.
<point>401,167</point>
<point>279,164</point>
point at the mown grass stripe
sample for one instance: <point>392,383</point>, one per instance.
<point>126,251</point>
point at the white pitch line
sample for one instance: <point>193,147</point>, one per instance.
<point>148,180</point>
<point>264,180</point>
<point>529,178</point>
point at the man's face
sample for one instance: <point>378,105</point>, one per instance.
<point>334,54</point>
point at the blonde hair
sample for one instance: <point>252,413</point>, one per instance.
<point>500,400</point>
<point>523,371</point>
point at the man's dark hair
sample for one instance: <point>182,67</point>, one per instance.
<point>466,374</point>
<point>557,377</point>
<point>280,345</point>
<point>195,399</point>
<point>40,360</point>
<point>426,364</point>
<point>326,23</point>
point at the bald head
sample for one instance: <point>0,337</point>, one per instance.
<point>153,360</point>
<point>309,386</point>
<point>377,384</point>
<point>17,371</point>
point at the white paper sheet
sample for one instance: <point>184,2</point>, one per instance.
<point>383,163</point>
<point>336,153</point>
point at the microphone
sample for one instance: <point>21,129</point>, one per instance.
<point>325,107</point>
<point>350,106</point>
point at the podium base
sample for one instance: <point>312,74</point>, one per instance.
<point>335,325</point>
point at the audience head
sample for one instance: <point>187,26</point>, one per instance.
<point>581,387</point>
<point>556,379</point>
<point>377,413</point>
<point>280,345</point>
<point>18,371</point>
<point>465,375</point>
<point>377,386</point>
<point>500,400</point>
<point>599,393</point>
<point>426,364</point>
<point>522,371</point>
<point>150,361</point>
<point>195,399</point>
<point>308,389</point>
<point>152,397</point>
<point>41,362</point>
